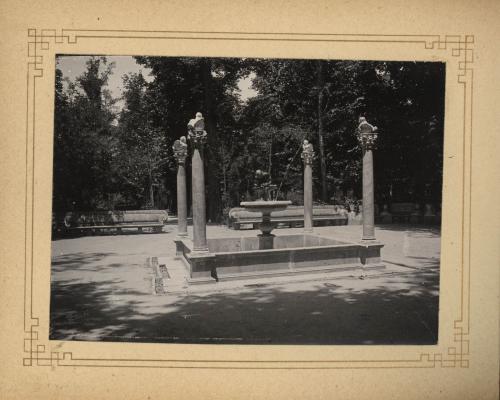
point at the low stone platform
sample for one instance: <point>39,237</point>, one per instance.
<point>243,258</point>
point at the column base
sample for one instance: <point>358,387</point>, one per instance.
<point>200,250</point>
<point>370,253</point>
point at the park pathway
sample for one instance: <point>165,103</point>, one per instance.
<point>103,289</point>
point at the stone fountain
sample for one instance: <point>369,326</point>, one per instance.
<point>266,255</point>
<point>266,206</point>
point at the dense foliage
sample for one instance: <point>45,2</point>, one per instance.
<point>106,158</point>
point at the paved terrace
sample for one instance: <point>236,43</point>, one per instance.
<point>102,290</point>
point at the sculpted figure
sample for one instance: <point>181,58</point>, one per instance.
<point>183,142</point>
<point>365,127</point>
<point>367,134</point>
<point>307,152</point>
<point>197,123</point>
<point>196,128</point>
<point>180,147</point>
<point>307,147</point>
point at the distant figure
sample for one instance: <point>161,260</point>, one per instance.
<point>307,147</point>
<point>261,177</point>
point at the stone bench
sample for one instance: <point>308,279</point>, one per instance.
<point>97,221</point>
<point>408,213</point>
<point>402,212</point>
<point>292,217</point>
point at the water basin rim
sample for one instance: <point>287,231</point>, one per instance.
<point>187,241</point>
<point>260,203</point>
<point>340,244</point>
<point>290,249</point>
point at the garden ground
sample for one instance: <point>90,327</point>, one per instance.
<point>101,289</point>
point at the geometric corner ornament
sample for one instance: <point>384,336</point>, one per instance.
<point>40,41</point>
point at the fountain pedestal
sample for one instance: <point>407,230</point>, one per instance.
<point>266,238</point>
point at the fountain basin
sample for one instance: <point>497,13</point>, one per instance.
<point>266,208</point>
<point>242,258</point>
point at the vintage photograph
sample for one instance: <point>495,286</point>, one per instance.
<point>246,200</point>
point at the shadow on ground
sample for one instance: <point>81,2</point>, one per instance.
<point>62,235</point>
<point>400,308</point>
<point>77,261</point>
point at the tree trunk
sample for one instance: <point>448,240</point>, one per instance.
<point>224,176</point>
<point>270,156</point>
<point>321,85</point>
<point>151,190</point>
<point>214,200</point>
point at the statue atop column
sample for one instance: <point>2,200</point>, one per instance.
<point>367,134</point>
<point>307,152</point>
<point>180,148</point>
<point>308,157</point>
<point>197,135</point>
<point>196,129</point>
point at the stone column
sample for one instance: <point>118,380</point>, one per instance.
<point>198,136</point>
<point>367,134</point>
<point>307,158</point>
<point>180,154</point>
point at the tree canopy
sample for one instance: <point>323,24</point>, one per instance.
<point>107,158</point>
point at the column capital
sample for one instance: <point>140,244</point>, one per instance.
<point>197,138</point>
<point>367,134</point>
<point>308,158</point>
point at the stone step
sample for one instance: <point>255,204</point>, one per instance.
<point>289,272</point>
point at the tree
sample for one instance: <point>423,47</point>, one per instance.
<point>184,86</point>
<point>83,136</point>
<point>142,149</point>
<point>405,99</point>
<point>103,162</point>
<point>321,88</point>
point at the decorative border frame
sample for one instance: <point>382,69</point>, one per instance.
<point>37,354</point>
